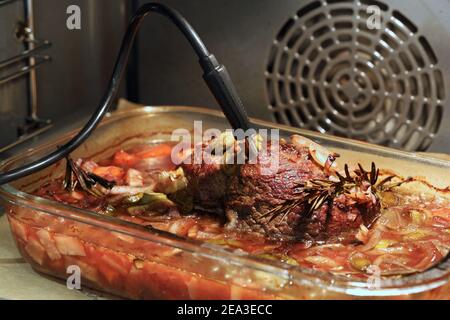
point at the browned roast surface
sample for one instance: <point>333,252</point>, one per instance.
<point>250,195</point>
<point>207,183</point>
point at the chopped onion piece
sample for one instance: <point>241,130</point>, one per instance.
<point>69,245</point>
<point>322,261</point>
<point>130,190</point>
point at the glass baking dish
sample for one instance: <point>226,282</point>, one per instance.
<point>133,261</point>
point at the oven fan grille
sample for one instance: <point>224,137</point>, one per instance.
<point>328,71</point>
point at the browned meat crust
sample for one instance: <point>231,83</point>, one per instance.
<point>249,195</point>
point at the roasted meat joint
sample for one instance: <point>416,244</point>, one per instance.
<point>322,172</point>
<point>302,197</point>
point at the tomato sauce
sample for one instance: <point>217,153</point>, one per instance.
<point>411,235</point>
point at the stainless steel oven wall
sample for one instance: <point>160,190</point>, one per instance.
<point>72,84</point>
<point>244,35</point>
<point>13,95</point>
<point>239,33</point>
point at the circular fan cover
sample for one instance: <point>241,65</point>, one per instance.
<point>328,71</point>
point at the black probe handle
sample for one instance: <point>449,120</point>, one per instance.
<point>219,82</point>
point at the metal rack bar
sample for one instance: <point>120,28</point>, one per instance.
<point>32,46</point>
<point>25,54</point>
<point>26,69</point>
<point>5,2</point>
<point>32,59</point>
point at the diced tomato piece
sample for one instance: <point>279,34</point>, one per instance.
<point>69,245</point>
<point>112,266</point>
<point>181,227</point>
<point>119,262</point>
<point>112,276</point>
<point>155,151</point>
<point>46,240</point>
<point>165,282</point>
<point>66,197</point>
<point>124,159</point>
<point>123,237</point>
<point>18,228</point>
<point>134,178</point>
<point>91,252</point>
<point>88,271</point>
<point>110,173</point>
<point>35,250</point>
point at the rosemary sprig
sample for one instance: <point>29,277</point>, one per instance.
<point>314,193</point>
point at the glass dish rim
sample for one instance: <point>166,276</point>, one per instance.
<point>433,278</point>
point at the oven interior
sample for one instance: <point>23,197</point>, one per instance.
<point>311,64</point>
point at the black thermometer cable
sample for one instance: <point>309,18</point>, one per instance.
<point>215,75</point>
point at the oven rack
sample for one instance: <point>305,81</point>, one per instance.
<point>27,54</point>
<point>25,63</point>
